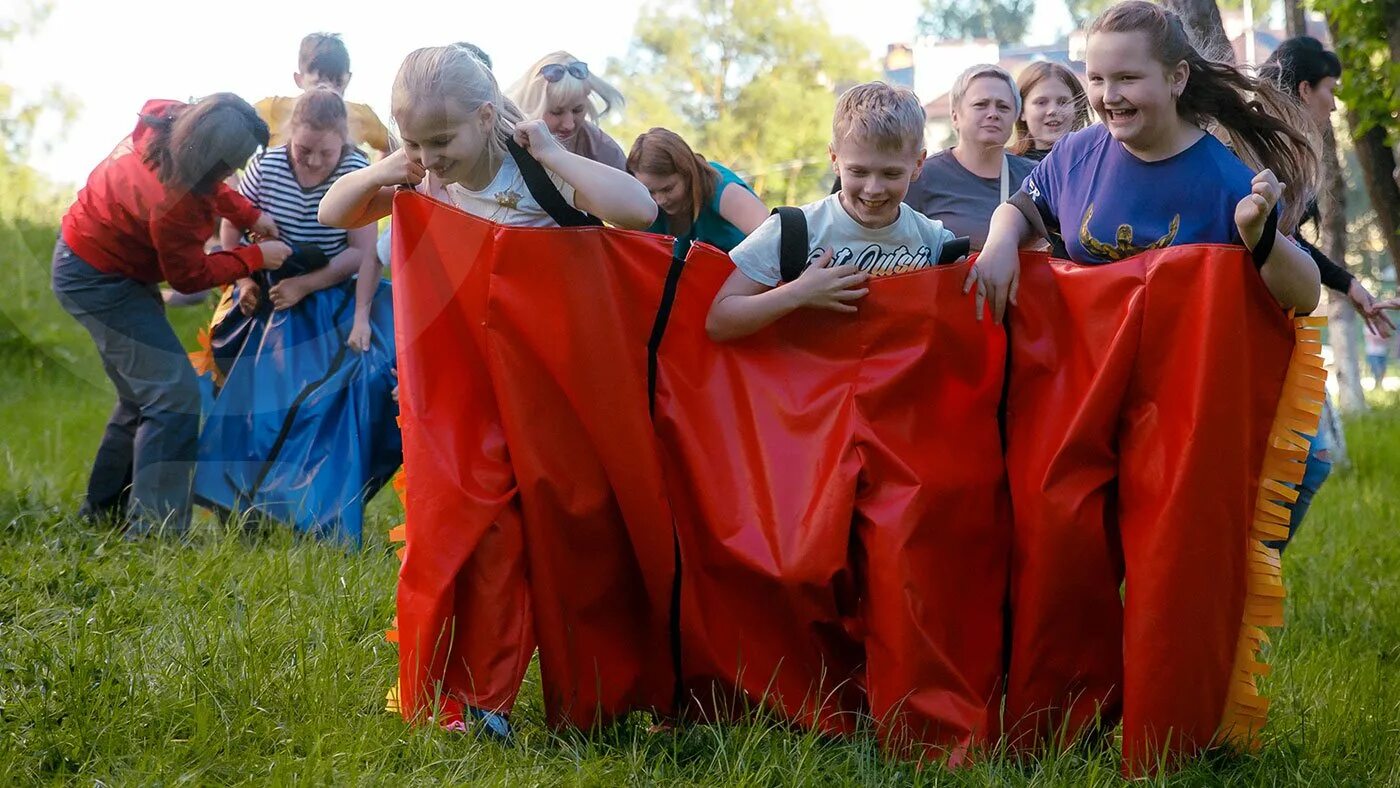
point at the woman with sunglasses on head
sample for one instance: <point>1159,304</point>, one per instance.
<point>559,89</point>
<point>697,200</point>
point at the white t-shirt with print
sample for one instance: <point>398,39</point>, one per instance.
<point>911,242</point>
<point>504,201</point>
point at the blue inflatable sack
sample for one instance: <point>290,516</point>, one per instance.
<point>304,428</point>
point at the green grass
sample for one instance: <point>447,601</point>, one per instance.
<point>234,658</point>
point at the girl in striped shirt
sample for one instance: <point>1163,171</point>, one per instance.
<point>287,183</point>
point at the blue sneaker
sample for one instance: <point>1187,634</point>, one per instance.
<point>487,723</point>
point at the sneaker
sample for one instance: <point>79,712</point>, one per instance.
<point>487,723</point>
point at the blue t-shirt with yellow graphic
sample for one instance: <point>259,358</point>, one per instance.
<point>1108,204</point>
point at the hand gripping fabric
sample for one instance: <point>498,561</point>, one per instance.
<point>303,428</point>
<point>839,495</point>
<point>533,496</point>
<point>1153,413</point>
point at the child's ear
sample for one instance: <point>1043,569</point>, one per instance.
<point>919,164</point>
<point>486,116</point>
<point>831,151</point>
<point>297,78</point>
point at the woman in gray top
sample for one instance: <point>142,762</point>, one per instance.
<point>962,185</point>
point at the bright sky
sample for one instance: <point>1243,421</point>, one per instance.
<point>115,55</point>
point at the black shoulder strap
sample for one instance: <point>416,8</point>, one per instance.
<point>546,193</point>
<point>792,241</point>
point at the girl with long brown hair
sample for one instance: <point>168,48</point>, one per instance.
<point>1103,505</point>
<point>698,199</point>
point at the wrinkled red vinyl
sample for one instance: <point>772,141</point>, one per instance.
<point>534,503</point>
<point>839,495</point>
<point>1140,401</point>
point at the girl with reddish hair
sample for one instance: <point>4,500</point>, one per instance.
<point>698,199</point>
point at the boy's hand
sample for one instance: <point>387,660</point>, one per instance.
<point>359,336</point>
<point>535,137</point>
<point>1254,209</point>
<point>997,275</point>
<point>287,293</point>
<point>397,168</point>
<point>824,286</point>
<point>248,297</point>
<point>264,228</point>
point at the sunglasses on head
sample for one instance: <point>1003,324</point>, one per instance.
<point>556,71</point>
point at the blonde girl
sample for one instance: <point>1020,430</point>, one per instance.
<point>455,125</point>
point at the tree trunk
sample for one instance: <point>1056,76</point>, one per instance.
<point>1343,329</point>
<point>1202,20</point>
<point>1377,164</point>
<point>1393,37</point>
<point>1295,18</point>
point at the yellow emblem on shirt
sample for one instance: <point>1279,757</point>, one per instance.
<point>1123,246</point>
<point>508,198</point>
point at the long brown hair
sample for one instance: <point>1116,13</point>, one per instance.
<point>1033,75</point>
<point>1267,130</point>
<point>663,152</point>
<point>202,144</point>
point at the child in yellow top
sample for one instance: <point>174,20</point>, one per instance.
<point>324,62</point>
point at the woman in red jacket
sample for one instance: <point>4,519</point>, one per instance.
<point>141,220</point>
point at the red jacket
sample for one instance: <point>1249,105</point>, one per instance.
<point>126,222</point>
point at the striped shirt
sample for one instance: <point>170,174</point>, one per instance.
<point>272,186</point>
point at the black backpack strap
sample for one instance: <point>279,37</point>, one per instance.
<point>544,191</point>
<point>792,241</point>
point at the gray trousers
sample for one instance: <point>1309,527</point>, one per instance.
<point>145,462</point>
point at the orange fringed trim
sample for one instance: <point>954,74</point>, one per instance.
<point>203,359</point>
<point>398,533</point>
<point>1300,406</point>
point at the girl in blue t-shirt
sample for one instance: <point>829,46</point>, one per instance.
<point>697,200</point>
<point>1150,176</point>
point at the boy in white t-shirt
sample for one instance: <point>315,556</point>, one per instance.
<point>863,230</point>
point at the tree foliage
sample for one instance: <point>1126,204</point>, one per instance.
<point>1367,39</point>
<point>24,192</point>
<point>1004,21</point>
<point>749,83</point>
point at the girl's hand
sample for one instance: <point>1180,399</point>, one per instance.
<point>287,293</point>
<point>248,297</point>
<point>264,228</point>
<point>824,286</point>
<point>274,253</point>
<point>359,336</point>
<point>397,168</point>
<point>1254,209</point>
<point>534,136</point>
<point>1377,321</point>
<point>997,275</point>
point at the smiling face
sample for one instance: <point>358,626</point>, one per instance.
<point>1132,91</point>
<point>986,112</point>
<point>315,153</point>
<point>671,192</point>
<point>1049,112</point>
<point>446,138</point>
<point>564,120</point>
<point>874,179</point>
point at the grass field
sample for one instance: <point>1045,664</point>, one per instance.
<point>237,658</point>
